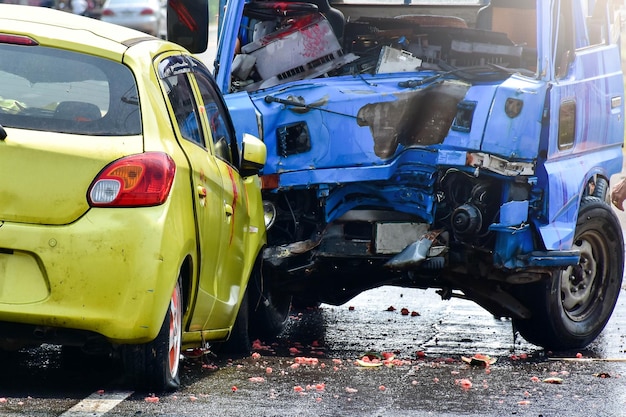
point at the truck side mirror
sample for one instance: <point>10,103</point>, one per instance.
<point>188,24</point>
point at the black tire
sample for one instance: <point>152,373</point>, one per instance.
<point>570,310</point>
<point>304,303</point>
<point>602,190</point>
<point>269,308</point>
<point>238,342</point>
<point>154,366</point>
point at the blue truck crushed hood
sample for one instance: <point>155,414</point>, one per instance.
<point>379,139</point>
<point>354,123</point>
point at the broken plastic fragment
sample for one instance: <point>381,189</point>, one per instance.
<point>369,363</point>
<point>373,359</point>
<point>479,360</point>
<point>553,380</point>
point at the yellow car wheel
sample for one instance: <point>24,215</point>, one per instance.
<point>155,365</point>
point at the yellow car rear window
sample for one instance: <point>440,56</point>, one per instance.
<point>63,91</point>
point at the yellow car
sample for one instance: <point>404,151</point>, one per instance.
<point>130,210</point>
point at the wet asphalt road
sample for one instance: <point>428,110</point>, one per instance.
<point>311,370</point>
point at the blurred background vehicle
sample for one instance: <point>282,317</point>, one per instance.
<point>144,15</point>
<point>92,8</point>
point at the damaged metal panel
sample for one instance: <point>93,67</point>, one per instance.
<point>417,117</point>
<point>516,135</point>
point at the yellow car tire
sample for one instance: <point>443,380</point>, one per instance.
<point>155,365</point>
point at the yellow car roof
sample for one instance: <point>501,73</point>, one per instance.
<point>50,27</point>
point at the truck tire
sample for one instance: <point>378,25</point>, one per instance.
<point>602,190</point>
<point>570,309</point>
<point>269,308</point>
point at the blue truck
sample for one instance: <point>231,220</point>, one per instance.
<point>460,145</point>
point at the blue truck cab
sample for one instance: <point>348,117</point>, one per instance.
<point>465,146</point>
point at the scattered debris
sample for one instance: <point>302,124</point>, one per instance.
<point>464,383</point>
<point>553,380</point>
<point>366,362</point>
<point>479,360</point>
<point>295,351</point>
<point>302,360</point>
<point>258,345</point>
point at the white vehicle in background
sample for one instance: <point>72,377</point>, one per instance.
<point>148,16</point>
